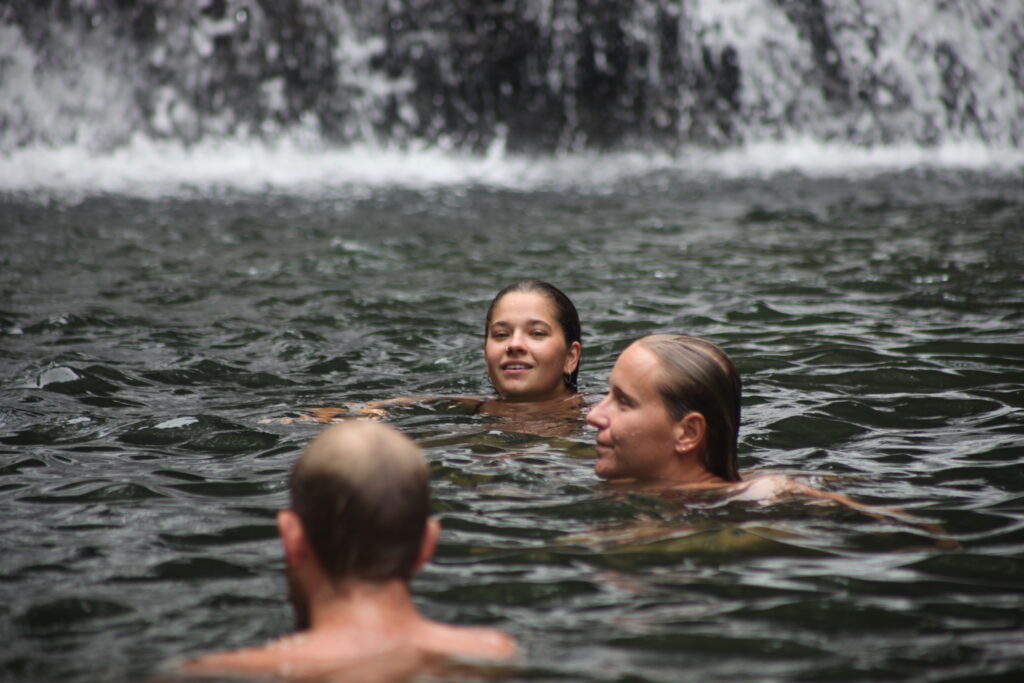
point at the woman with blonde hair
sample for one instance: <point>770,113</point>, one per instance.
<point>672,413</point>
<point>671,420</point>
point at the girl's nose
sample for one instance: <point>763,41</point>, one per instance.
<point>515,341</point>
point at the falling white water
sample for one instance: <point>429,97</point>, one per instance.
<point>213,101</point>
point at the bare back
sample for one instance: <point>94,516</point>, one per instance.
<point>360,653</point>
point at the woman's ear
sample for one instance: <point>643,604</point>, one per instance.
<point>689,432</point>
<point>572,357</point>
<point>431,534</point>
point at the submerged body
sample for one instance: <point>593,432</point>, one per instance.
<point>373,635</point>
<point>669,426</point>
<point>532,352</point>
<point>763,487</point>
<point>670,422</point>
<point>358,528</point>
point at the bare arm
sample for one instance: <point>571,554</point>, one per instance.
<point>377,409</point>
<point>794,486</point>
<point>232,664</point>
<point>878,512</point>
<point>380,408</point>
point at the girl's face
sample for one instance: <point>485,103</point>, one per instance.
<point>636,435</point>
<point>525,351</point>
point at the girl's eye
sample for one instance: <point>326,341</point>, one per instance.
<point>499,335</point>
<point>539,333</point>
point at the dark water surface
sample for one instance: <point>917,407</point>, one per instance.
<point>878,322</point>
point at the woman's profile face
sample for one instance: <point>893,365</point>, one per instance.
<point>636,435</point>
<point>525,350</point>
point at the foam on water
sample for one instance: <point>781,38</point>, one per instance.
<point>199,97</point>
<point>148,168</point>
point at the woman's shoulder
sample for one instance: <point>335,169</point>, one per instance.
<point>764,487</point>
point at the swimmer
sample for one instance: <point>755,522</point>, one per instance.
<point>532,343</point>
<point>670,424</point>
<point>358,528</point>
<point>671,414</point>
<point>532,350</point>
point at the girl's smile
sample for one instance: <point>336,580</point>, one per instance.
<point>526,352</point>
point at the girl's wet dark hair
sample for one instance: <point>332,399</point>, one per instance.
<point>565,314</point>
<point>700,377</point>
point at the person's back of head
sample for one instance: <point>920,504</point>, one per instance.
<point>358,527</point>
<point>362,493</point>
<point>700,377</point>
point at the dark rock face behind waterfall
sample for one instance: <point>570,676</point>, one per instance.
<point>534,75</point>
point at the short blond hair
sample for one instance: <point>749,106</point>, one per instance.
<point>362,492</point>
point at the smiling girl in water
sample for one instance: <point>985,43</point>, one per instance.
<point>532,343</point>
<point>532,352</point>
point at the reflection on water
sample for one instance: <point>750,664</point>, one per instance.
<point>877,322</point>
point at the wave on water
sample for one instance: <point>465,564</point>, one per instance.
<point>150,168</point>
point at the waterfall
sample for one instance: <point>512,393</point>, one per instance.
<point>538,75</point>
<point>151,95</point>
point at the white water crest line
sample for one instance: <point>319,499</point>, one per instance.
<point>149,168</point>
<point>176,423</point>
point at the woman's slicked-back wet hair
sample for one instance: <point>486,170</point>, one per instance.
<point>565,314</point>
<point>700,377</point>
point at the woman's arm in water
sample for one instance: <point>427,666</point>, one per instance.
<point>770,487</point>
<point>377,409</point>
